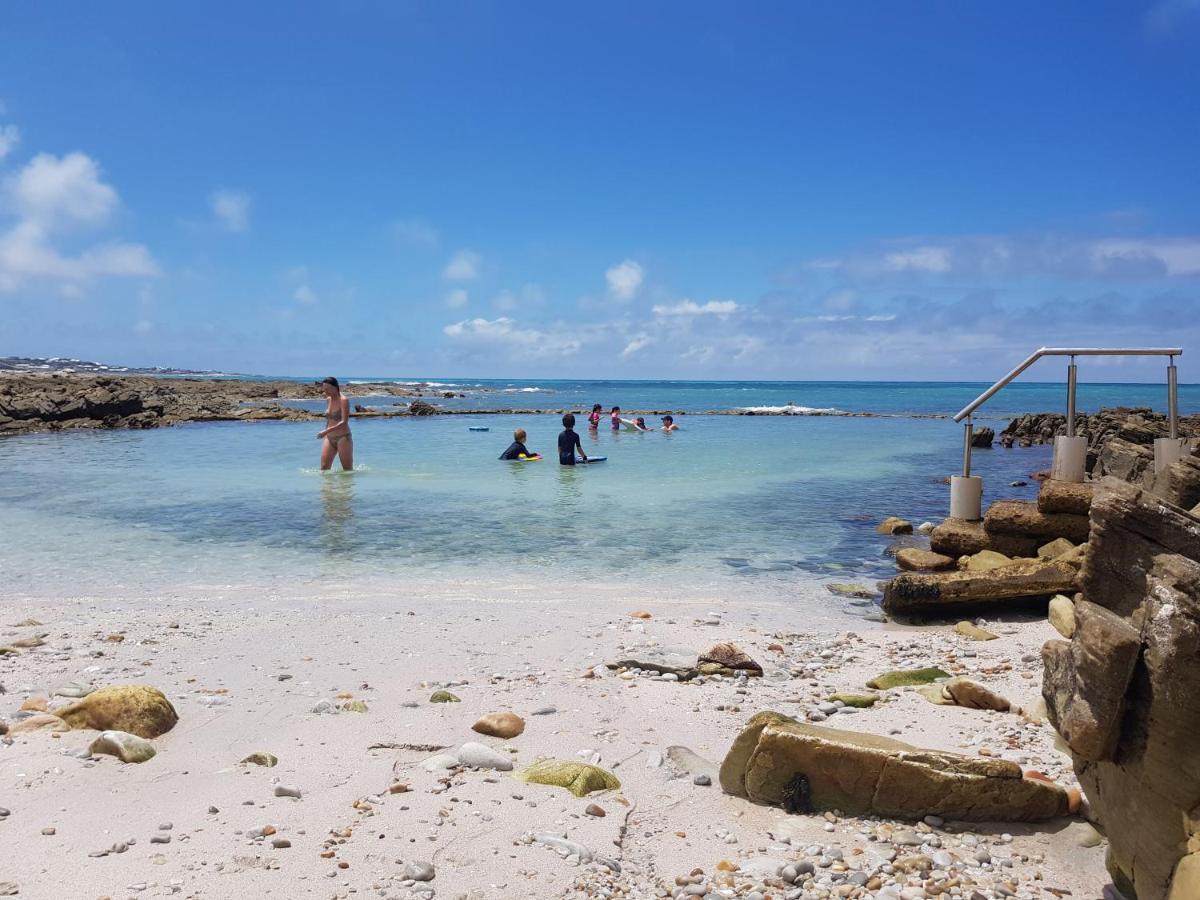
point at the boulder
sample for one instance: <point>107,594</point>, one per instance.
<point>1179,483</point>
<point>982,438</point>
<point>1123,459</point>
<point>1065,497</point>
<point>502,725</point>
<point>135,708</point>
<point>958,537</point>
<point>579,778</point>
<point>1055,549</point>
<point>912,559</point>
<point>1125,690</point>
<point>974,632</point>
<point>905,678</point>
<point>945,593</point>
<point>804,767</point>
<point>129,748</point>
<point>1061,614</point>
<point>1021,517</point>
<point>729,657</point>
<point>984,561</point>
<point>894,525</point>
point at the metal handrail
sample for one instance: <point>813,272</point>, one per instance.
<point>1062,351</point>
<point>1172,387</point>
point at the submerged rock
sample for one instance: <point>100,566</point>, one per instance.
<point>905,678</point>
<point>134,708</point>
<point>579,778</point>
<point>805,767</point>
<point>894,525</point>
<point>501,725</point>
<point>129,748</point>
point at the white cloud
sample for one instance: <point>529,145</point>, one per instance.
<point>306,295</point>
<point>922,259</point>
<point>232,209</point>
<point>10,135</point>
<point>1177,256</point>
<point>691,308</point>
<point>457,298</point>
<point>416,233</point>
<point>639,342</point>
<point>624,280</point>
<point>57,192</point>
<point>505,333</point>
<point>463,266</point>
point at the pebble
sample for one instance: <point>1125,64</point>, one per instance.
<point>595,810</point>
<point>702,780</point>
<point>47,831</point>
<point>544,711</point>
<point>281,843</point>
<point>160,839</point>
<point>284,790</point>
<point>416,870</point>
<point>479,756</point>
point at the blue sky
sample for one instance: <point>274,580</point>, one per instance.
<point>682,190</point>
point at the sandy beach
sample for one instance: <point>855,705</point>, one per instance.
<point>246,670</point>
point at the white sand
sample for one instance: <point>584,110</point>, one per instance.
<point>515,653</point>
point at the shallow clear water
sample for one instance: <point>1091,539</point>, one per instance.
<point>774,502</point>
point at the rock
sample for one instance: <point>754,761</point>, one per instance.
<point>441,762</point>
<point>579,778</point>
<point>729,656</point>
<point>974,632</point>
<point>443,697</point>
<point>1123,459</point>
<point>857,701</point>
<point>640,614</point>
<point>1055,549</point>
<point>982,438</point>
<point>1083,834</point>
<point>702,780</point>
<point>284,790</point>
<point>894,525</point>
<point>480,756</point>
<point>958,537</point>
<point>29,643</point>
<point>324,707</point>
<point>269,760</point>
<point>1065,497</point>
<point>691,763</point>
<point>596,810</point>
<point>944,593</point>
<point>805,767</point>
<point>39,722</point>
<point>1062,615</point>
<point>1179,483</point>
<point>926,528</point>
<point>986,560</point>
<point>72,690</point>
<point>34,704</point>
<point>280,843</point>
<point>857,591</point>
<point>905,677</point>
<point>972,695</point>
<point>502,725</point>
<point>134,708</point>
<point>544,711</point>
<point>416,870</point>
<point>1124,692</point>
<point>129,748</point>
<point>913,559</point>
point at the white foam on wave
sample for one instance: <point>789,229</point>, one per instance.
<point>792,410</point>
<point>524,390</point>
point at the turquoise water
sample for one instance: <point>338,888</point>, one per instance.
<point>778,502</point>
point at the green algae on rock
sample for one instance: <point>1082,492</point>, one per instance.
<point>579,778</point>
<point>905,678</point>
<point>443,697</point>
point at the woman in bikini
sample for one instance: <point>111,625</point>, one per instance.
<point>336,434</point>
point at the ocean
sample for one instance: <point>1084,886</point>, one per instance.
<point>745,504</point>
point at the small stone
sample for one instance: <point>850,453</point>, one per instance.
<point>268,760</point>
<point>48,831</point>
<point>417,870</point>
<point>502,725</point>
<point>544,711</point>
<point>283,790</point>
<point>702,780</point>
<point>443,697</point>
<point>281,843</point>
<point>160,839</point>
<point>129,748</point>
<point>596,810</point>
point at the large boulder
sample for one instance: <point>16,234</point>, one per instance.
<point>1124,459</point>
<point>946,593</point>
<point>136,708</point>
<point>1125,691</point>
<point>1023,518</point>
<point>804,767</point>
<point>959,537</point>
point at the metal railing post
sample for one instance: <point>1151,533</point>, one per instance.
<point>968,436</point>
<point>1071,372</point>
<point>1172,400</point>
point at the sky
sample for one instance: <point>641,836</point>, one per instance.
<point>689,190</point>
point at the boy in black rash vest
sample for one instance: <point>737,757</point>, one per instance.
<point>517,448</point>
<point>568,443</point>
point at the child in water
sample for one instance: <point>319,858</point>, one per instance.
<point>615,415</point>
<point>669,423</point>
<point>517,449</point>
<point>638,424</point>
<point>594,418</point>
<point>568,443</point>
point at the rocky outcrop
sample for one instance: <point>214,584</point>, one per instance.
<point>1023,519</point>
<point>1178,484</point>
<point>982,438</point>
<point>946,593</point>
<point>1137,425</point>
<point>1125,690</point>
<point>958,537</point>
<point>136,708</point>
<point>804,767</point>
